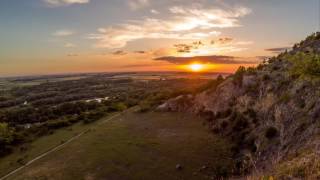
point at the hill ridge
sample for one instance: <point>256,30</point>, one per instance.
<point>271,113</point>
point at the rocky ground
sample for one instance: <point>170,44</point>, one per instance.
<point>271,113</point>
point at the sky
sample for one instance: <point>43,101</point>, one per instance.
<point>71,36</point>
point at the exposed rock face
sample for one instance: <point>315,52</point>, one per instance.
<point>179,104</point>
<point>269,115</point>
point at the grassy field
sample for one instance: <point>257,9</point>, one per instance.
<point>29,151</point>
<point>131,146</point>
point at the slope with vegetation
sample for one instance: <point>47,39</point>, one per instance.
<point>271,113</point>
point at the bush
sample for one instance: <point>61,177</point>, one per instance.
<point>285,98</point>
<point>223,114</point>
<point>155,99</point>
<point>271,132</point>
<point>251,113</point>
<point>6,138</point>
<point>145,106</point>
<point>207,115</point>
<point>266,77</point>
<point>93,116</point>
<point>58,124</point>
<point>305,64</point>
<point>249,143</point>
<point>240,122</point>
<point>6,134</point>
<point>224,124</point>
<point>238,76</point>
<point>251,71</point>
<point>118,107</point>
<point>130,102</point>
<point>212,85</point>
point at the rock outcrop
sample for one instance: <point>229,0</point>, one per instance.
<point>271,113</point>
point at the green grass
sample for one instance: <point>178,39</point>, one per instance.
<point>41,145</point>
<point>135,146</point>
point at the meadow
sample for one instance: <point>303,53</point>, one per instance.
<point>152,145</point>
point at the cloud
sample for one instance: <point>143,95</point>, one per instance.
<point>194,23</point>
<point>244,43</point>
<point>215,59</point>
<point>139,65</point>
<point>187,48</point>
<point>119,53</point>
<point>225,40</point>
<point>220,46</point>
<point>56,3</point>
<point>69,45</point>
<point>138,4</point>
<point>140,52</point>
<point>72,55</point>
<point>64,32</point>
<point>230,41</point>
<point>153,11</point>
<point>278,50</point>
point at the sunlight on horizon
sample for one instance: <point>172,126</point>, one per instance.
<point>196,67</point>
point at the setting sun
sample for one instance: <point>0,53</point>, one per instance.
<point>196,67</point>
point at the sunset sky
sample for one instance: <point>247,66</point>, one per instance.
<point>69,36</point>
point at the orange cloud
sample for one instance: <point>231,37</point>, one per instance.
<point>195,23</point>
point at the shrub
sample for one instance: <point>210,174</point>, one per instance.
<point>224,124</point>
<point>6,138</point>
<point>266,77</point>
<point>155,99</point>
<point>73,119</point>
<point>271,132</point>
<point>211,85</point>
<point>130,102</point>
<point>250,144</point>
<point>251,71</point>
<point>93,116</point>
<point>238,76</point>
<point>251,113</point>
<point>260,66</point>
<point>223,114</point>
<point>305,64</point>
<point>207,115</point>
<point>118,106</point>
<point>6,134</point>
<point>220,78</point>
<point>145,106</point>
<point>58,124</point>
<point>240,122</point>
<point>285,98</point>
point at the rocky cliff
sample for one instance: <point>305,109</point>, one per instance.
<point>271,113</point>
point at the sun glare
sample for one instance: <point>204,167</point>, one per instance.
<point>196,67</point>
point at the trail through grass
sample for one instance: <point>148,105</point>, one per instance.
<point>137,146</point>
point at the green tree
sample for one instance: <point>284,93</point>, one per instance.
<point>238,76</point>
<point>6,134</point>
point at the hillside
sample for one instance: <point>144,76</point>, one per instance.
<point>271,113</point>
